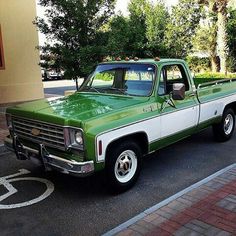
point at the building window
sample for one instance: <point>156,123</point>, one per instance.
<point>2,62</point>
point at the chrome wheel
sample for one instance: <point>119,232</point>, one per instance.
<point>125,166</point>
<point>228,124</point>
<point>224,130</point>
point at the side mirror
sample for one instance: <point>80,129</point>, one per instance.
<point>178,92</point>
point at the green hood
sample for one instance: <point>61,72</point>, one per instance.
<point>79,107</point>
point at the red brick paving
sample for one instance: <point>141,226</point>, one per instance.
<point>207,210</point>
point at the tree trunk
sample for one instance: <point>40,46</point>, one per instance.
<point>222,40</point>
<point>214,64</point>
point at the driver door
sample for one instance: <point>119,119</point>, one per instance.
<point>177,117</point>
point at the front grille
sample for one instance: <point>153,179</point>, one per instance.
<point>50,135</point>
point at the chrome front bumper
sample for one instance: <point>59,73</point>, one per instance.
<point>48,160</point>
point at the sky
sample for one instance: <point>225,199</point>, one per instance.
<point>121,5</point>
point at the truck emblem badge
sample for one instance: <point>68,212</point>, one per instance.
<point>35,132</point>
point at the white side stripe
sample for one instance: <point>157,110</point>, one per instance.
<point>166,124</point>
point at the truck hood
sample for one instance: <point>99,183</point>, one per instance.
<point>78,106</point>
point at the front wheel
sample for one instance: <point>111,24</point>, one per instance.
<point>223,131</point>
<point>123,165</point>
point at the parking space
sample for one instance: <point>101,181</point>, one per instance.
<point>85,207</point>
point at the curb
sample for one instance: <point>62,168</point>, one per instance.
<point>165,202</point>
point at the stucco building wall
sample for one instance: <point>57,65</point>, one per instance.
<point>20,80</point>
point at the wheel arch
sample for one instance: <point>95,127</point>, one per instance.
<point>140,138</point>
<point>231,105</point>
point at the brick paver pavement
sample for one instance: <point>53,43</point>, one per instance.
<point>209,209</point>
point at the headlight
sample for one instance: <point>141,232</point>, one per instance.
<point>9,121</point>
<point>79,137</point>
<point>74,138</point>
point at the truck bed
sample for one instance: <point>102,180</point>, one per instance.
<point>215,89</point>
<point>213,97</point>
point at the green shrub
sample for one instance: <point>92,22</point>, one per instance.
<point>231,64</point>
<point>198,64</point>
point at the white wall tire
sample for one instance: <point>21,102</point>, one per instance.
<point>123,165</point>
<point>224,130</point>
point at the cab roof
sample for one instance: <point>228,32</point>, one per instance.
<point>148,60</point>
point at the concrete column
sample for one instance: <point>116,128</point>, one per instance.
<point>20,80</point>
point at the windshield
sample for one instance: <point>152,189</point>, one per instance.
<point>128,79</point>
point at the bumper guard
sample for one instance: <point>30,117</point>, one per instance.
<point>48,160</point>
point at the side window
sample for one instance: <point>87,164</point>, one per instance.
<point>161,88</point>
<point>173,73</point>
<point>169,75</point>
<point>2,63</point>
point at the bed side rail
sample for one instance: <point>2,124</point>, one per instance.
<point>216,82</point>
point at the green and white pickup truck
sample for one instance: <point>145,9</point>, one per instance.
<point>123,111</point>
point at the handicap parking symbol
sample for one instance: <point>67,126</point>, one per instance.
<point>7,181</point>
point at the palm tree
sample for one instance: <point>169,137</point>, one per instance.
<point>219,7</point>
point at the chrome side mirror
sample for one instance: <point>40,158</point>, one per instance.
<point>178,92</point>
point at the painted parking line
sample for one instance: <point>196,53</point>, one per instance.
<point>165,202</point>
<point>7,181</point>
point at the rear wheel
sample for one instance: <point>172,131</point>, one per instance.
<point>123,165</point>
<point>223,131</point>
